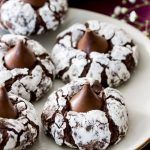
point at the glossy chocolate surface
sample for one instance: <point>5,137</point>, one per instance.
<point>85,100</point>
<point>19,57</point>
<point>92,42</point>
<point>7,109</point>
<point>35,3</point>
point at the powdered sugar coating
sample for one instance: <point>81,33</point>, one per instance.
<point>21,18</point>
<point>111,69</point>
<point>30,84</point>
<point>21,132</point>
<point>117,112</point>
<point>90,130</point>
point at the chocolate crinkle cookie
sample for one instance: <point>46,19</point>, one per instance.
<point>26,68</point>
<point>84,115</point>
<point>98,50</point>
<point>19,126</point>
<point>26,17</point>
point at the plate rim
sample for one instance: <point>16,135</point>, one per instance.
<point>147,141</point>
<point>141,146</point>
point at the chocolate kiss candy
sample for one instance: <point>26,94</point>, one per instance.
<point>19,57</point>
<point>36,3</point>
<point>7,109</point>
<point>85,100</point>
<point>91,42</point>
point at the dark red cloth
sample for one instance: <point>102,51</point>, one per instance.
<point>136,12</point>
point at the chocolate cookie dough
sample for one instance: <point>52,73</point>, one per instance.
<point>98,50</point>
<point>19,126</point>
<point>84,115</point>
<point>26,17</point>
<point>26,68</point>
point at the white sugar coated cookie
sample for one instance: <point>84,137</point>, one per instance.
<point>22,18</point>
<point>29,83</point>
<point>111,69</point>
<point>95,129</point>
<point>21,132</point>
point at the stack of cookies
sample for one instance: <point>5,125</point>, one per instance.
<point>91,58</point>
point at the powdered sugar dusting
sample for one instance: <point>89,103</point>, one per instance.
<point>22,20</point>
<point>118,113</point>
<point>76,63</point>
<point>25,19</point>
<point>22,131</point>
<point>26,82</point>
<point>116,73</point>
<point>48,17</point>
<point>58,128</point>
<point>87,130</point>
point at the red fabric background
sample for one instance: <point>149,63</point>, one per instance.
<point>141,7</point>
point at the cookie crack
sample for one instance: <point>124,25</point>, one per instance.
<point>61,73</point>
<point>61,37</point>
<point>18,135</point>
<point>39,22</point>
<point>4,136</point>
<point>86,67</point>
<point>46,71</point>
<point>112,127</point>
<point>9,82</point>
<point>58,15</point>
<point>117,99</point>
<point>68,133</point>
<point>103,75</point>
<point>129,62</point>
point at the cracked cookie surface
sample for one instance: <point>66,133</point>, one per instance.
<point>21,132</point>
<point>95,129</point>
<point>111,69</point>
<point>30,84</point>
<point>22,18</point>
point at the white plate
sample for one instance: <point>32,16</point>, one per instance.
<point>136,91</point>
